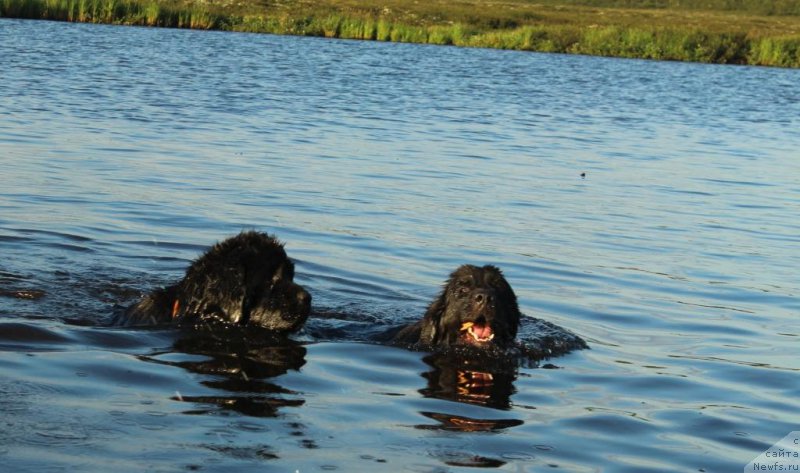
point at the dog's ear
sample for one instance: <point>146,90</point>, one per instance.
<point>508,300</point>
<point>153,309</point>
<point>249,292</point>
<point>514,321</point>
<point>430,322</point>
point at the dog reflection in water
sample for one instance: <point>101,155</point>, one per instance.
<point>475,386</point>
<point>453,422</point>
<point>242,367</point>
<point>455,379</point>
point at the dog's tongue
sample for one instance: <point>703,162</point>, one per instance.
<point>482,331</point>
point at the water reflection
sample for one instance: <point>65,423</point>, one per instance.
<point>452,422</point>
<point>468,460</point>
<point>243,363</point>
<point>481,382</point>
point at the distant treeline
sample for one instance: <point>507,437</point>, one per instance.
<point>636,37</point>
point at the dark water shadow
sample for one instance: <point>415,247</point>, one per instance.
<point>241,364</point>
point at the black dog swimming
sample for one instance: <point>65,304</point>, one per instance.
<point>244,280</point>
<point>477,313</point>
<point>477,307</point>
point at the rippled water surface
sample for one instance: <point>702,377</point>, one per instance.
<point>125,152</point>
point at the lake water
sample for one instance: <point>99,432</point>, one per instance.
<point>125,152</point>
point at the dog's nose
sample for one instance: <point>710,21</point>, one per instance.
<point>482,297</point>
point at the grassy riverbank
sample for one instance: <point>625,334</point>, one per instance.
<point>722,31</point>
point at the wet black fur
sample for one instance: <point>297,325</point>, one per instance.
<point>244,280</point>
<point>471,294</point>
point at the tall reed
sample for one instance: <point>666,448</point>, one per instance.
<point>130,12</point>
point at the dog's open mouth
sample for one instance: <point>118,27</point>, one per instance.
<point>477,331</point>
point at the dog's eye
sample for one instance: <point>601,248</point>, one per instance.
<point>463,290</point>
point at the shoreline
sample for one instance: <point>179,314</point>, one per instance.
<point>719,37</point>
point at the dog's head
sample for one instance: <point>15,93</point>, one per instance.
<point>280,304</point>
<point>477,307</point>
<point>245,280</point>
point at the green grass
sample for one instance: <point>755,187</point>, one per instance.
<point>128,12</point>
<point>714,31</point>
<point>757,7</point>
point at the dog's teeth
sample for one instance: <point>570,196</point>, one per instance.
<point>476,337</point>
<point>468,327</point>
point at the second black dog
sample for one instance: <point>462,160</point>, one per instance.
<point>244,280</point>
<point>477,307</point>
